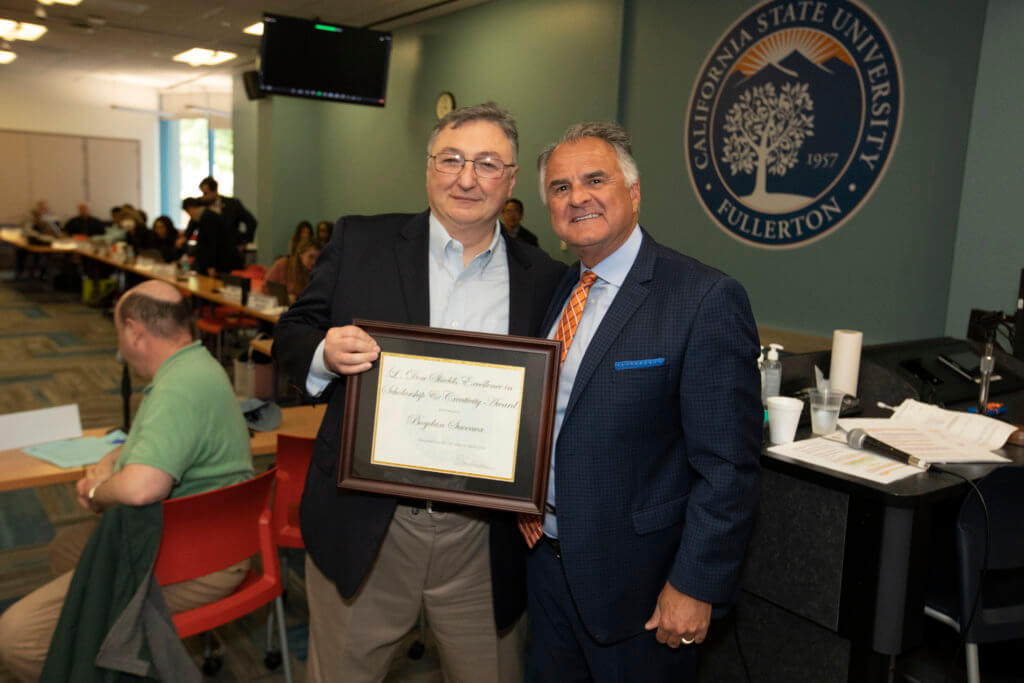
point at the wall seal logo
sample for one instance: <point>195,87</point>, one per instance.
<point>793,119</point>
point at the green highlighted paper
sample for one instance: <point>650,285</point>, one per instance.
<point>86,450</point>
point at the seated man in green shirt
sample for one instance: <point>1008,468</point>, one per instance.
<point>188,436</point>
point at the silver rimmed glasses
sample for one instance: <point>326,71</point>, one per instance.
<point>485,166</point>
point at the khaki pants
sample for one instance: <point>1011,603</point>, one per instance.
<point>438,560</point>
<point>27,626</point>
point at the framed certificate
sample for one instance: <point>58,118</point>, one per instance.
<point>458,417</point>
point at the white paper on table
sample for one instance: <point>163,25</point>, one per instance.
<point>231,293</point>
<point>262,302</point>
<point>928,443</point>
<point>30,427</point>
<point>981,429</point>
<point>450,416</point>
<point>839,457</point>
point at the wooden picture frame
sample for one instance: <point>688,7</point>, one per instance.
<point>450,416</point>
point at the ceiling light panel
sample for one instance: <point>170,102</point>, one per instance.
<point>199,56</point>
<point>254,29</point>
<point>6,56</point>
<point>29,31</point>
<point>20,30</point>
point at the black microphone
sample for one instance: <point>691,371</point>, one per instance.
<point>859,439</point>
<point>1018,325</point>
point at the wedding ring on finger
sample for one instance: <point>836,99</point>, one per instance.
<point>686,641</point>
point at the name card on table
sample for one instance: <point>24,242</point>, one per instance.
<point>232,293</point>
<point>262,302</point>
<point>39,426</point>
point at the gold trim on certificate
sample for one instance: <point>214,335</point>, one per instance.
<point>445,415</point>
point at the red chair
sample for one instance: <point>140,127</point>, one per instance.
<point>219,319</point>
<point>214,530</point>
<point>253,270</point>
<point>293,457</point>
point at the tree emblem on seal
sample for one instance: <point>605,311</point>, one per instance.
<point>766,129</point>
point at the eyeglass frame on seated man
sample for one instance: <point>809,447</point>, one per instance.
<point>457,155</point>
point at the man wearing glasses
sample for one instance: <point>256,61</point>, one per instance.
<point>373,561</point>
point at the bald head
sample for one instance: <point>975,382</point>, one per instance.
<point>158,289</point>
<point>159,307</point>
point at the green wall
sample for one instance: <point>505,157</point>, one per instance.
<point>886,270</point>
<point>990,240</point>
<point>278,165</point>
<point>293,164</point>
<point>550,63</point>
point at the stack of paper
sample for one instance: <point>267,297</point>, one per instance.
<point>86,450</point>
<point>838,457</point>
<point>937,435</point>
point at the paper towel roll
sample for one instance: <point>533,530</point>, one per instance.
<point>845,366</point>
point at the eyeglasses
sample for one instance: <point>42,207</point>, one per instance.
<point>484,167</point>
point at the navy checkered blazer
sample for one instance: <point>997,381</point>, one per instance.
<point>657,468</point>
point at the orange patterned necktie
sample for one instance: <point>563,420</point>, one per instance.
<point>531,526</point>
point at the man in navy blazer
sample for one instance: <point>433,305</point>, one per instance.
<point>655,471</point>
<point>373,560</point>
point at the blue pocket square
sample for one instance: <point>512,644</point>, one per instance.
<point>639,364</point>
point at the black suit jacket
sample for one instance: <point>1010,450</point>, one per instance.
<point>376,268</point>
<point>233,212</point>
<point>214,246</point>
<point>90,225</point>
<point>523,235</point>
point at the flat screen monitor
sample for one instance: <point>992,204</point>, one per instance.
<point>303,58</point>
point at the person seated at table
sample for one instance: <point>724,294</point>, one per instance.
<point>293,271</point>
<point>39,229</point>
<point>166,239</point>
<point>136,234</point>
<point>41,220</point>
<point>303,233</point>
<point>323,232</point>
<point>84,223</point>
<point>189,436</point>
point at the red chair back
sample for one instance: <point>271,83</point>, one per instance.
<point>294,454</point>
<point>253,270</point>
<point>214,530</point>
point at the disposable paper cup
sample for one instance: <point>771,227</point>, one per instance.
<point>783,417</point>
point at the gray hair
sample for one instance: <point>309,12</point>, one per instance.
<point>164,319</point>
<point>488,111</point>
<point>609,131</point>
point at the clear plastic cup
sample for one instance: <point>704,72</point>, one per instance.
<point>825,407</point>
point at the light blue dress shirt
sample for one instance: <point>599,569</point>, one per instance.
<point>611,273</point>
<point>474,297</point>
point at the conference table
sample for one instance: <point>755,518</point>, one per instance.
<point>193,284</point>
<point>21,242</point>
<point>19,470</point>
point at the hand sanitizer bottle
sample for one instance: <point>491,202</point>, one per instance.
<point>760,369</point>
<point>773,371</point>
